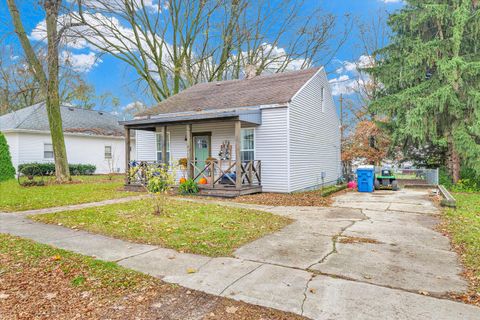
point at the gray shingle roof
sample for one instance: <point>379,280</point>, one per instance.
<point>75,120</point>
<point>276,88</point>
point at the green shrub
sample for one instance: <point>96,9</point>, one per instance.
<point>466,185</point>
<point>332,189</point>
<point>48,169</point>
<point>159,179</point>
<point>188,187</point>
<point>444,178</point>
<point>7,171</point>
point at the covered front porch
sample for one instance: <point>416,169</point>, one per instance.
<point>216,149</point>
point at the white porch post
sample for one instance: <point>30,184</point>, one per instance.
<point>189,152</point>
<point>238,161</point>
<point>164,146</point>
<point>127,155</point>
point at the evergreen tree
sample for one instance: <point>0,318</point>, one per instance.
<point>6,168</point>
<point>431,77</point>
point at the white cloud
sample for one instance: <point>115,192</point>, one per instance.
<point>79,62</point>
<point>350,77</point>
<point>392,1</point>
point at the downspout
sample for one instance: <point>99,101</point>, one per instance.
<point>288,148</point>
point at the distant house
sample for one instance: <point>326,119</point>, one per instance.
<point>283,128</point>
<point>91,137</point>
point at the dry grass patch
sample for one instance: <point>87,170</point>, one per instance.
<point>462,225</point>
<point>358,240</point>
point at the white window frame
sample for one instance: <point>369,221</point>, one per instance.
<point>254,143</point>
<point>105,152</point>
<point>44,151</point>
<point>158,135</point>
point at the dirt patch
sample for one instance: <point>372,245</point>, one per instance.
<point>358,240</point>
<point>47,291</point>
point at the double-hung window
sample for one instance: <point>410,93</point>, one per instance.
<point>160,145</point>
<point>108,152</point>
<point>247,147</point>
<point>47,151</point>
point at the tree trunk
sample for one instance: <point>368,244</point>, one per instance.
<point>453,161</point>
<point>62,171</point>
<point>48,85</point>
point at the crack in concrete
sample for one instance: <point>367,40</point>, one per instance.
<point>239,278</point>
<point>136,255</point>
<point>305,294</point>
<point>434,295</point>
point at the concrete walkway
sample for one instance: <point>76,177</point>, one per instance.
<point>310,267</point>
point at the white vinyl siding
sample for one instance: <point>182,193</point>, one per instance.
<point>271,149</point>
<point>29,147</point>
<point>314,136</point>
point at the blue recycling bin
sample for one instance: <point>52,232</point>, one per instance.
<point>366,178</point>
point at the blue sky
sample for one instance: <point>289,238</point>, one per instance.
<point>109,74</point>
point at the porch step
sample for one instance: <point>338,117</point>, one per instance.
<point>134,188</point>
<point>228,192</point>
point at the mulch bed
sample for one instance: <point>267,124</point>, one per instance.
<point>302,199</point>
<point>45,291</point>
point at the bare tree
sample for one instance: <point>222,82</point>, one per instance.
<point>183,42</point>
<point>19,88</point>
<point>48,80</point>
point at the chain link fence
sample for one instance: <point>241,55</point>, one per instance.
<point>417,176</point>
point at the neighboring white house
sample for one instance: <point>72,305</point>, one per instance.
<point>285,121</point>
<point>91,137</point>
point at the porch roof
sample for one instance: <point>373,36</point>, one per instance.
<point>246,115</point>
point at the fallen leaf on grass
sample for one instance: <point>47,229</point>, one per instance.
<point>231,309</point>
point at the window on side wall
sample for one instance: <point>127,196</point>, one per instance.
<point>247,146</point>
<point>160,145</point>
<point>47,151</point>
<point>108,152</point>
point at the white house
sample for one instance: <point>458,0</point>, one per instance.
<point>284,127</point>
<point>91,137</point>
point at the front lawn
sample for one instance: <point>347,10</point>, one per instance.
<point>82,189</point>
<point>40,282</point>
<point>207,229</point>
<point>463,224</point>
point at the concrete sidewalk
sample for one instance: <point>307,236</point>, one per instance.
<point>305,268</point>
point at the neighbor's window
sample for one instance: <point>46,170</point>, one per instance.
<point>108,152</point>
<point>160,145</point>
<point>47,151</point>
<point>247,146</point>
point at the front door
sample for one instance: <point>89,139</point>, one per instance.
<point>201,151</point>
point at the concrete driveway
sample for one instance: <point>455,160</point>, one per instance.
<point>369,256</point>
<point>383,244</point>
